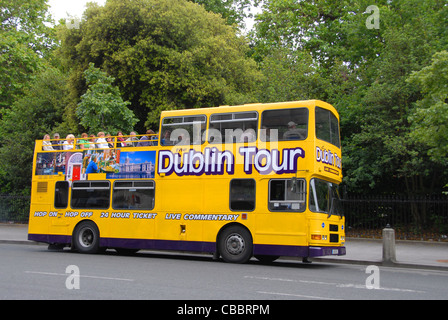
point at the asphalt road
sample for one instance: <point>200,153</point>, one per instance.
<point>33,272</point>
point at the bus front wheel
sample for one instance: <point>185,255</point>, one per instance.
<point>86,237</point>
<point>235,244</point>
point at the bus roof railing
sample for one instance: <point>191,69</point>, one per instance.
<point>92,143</point>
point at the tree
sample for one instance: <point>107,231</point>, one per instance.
<point>164,55</point>
<point>290,75</point>
<point>101,107</point>
<point>382,155</point>
<point>24,40</point>
<point>362,71</point>
<point>233,11</point>
<point>37,112</point>
<point>430,118</point>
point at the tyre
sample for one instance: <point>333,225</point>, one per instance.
<point>86,237</point>
<point>235,244</point>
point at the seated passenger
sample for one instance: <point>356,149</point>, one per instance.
<point>83,142</point>
<point>293,133</point>
<point>120,140</point>
<point>56,143</point>
<point>165,141</point>
<point>145,141</point>
<point>69,142</point>
<point>46,144</point>
<point>132,140</point>
<point>101,142</point>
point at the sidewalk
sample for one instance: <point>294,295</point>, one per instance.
<point>410,254</point>
<point>14,233</point>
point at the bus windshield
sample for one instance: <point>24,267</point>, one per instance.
<point>324,198</point>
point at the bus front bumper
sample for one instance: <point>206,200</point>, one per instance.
<point>326,251</point>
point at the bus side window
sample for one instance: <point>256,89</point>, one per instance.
<point>183,130</point>
<point>242,195</point>
<point>233,127</point>
<point>327,127</point>
<point>287,195</point>
<point>133,195</point>
<point>90,195</point>
<point>61,194</point>
<point>284,124</point>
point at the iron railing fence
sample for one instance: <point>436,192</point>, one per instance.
<point>14,208</point>
<point>413,217</point>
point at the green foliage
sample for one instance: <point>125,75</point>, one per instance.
<point>233,11</point>
<point>101,107</point>
<point>35,113</point>
<point>24,39</point>
<point>388,84</point>
<point>332,55</point>
<point>164,55</point>
<point>289,76</point>
<point>431,115</point>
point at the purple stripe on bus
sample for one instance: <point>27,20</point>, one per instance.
<point>197,246</point>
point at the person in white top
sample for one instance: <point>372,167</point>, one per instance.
<point>101,142</point>
<point>68,143</point>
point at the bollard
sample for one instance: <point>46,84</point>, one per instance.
<point>389,257</point>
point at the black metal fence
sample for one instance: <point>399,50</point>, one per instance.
<point>14,208</point>
<point>413,218</point>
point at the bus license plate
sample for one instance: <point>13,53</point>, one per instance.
<point>334,251</point>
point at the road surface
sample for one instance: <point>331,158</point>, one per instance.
<point>33,272</point>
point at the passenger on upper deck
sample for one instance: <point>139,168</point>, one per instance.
<point>110,140</point>
<point>145,141</point>
<point>68,143</point>
<point>46,144</point>
<point>120,140</point>
<point>92,142</point>
<point>101,142</point>
<point>83,142</point>
<point>132,140</point>
<point>56,143</point>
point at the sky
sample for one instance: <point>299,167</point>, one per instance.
<point>75,8</point>
<point>62,9</point>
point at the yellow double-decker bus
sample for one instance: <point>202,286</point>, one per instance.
<point>234,181</point>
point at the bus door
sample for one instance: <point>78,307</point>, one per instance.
<point>61,192</point>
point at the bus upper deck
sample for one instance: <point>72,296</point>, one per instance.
<point>252,135</point>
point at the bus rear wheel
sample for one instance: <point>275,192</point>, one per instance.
<point>86,237</point>
<point>235,245</point>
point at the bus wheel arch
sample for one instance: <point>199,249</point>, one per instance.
<point>86,237</point>
<point>234,243</point>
